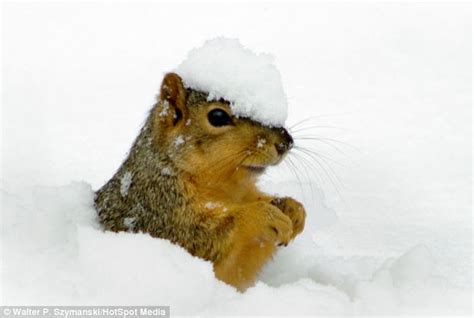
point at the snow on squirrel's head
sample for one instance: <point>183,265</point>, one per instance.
<point>252,84</point>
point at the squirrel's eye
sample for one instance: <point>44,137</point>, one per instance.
<point>217,117</point>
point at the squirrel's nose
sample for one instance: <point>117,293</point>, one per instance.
<point>286,142</point>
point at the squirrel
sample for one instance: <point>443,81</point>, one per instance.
<point>190,177</point>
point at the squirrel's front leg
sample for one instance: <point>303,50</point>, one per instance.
<point>289,206</point>
<point>259,227</point>
<point>294,210</point>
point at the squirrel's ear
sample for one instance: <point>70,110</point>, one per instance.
<point>173,91</point>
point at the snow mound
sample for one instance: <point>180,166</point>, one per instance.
<point>224,68</point>
<point>55,246</point>
<point>55,253</point>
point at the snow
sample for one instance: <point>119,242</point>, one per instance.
<point>211,205</point>
<point>77,263</point>
<point>129,222</point>
<point>178,141</point>
<point>416,264</point>
<point>261,142</point>
<point>226,69</point>
<point>164,111</point>
<point>125,183</point>
<point>166,171</point>
<point>388,87</point>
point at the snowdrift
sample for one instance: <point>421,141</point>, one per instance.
<point>57,254</point>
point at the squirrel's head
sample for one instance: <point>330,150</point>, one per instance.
<point>202,136</point>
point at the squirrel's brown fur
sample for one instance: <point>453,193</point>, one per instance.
<point>194,184</point>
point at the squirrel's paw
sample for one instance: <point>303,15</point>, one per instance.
<point>274,225</point>
<point>294,210</point>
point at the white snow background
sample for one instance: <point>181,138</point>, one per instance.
<point>388,87</point>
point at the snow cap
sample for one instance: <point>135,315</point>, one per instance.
<point>224,68</point>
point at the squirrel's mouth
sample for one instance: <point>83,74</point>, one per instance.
<point>255,168</point>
